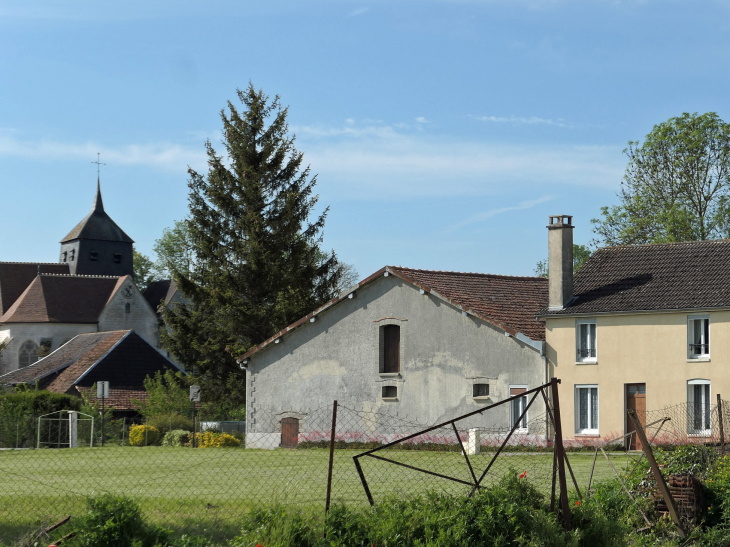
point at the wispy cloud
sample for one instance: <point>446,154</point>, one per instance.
<point>480,217</point>
<point>166,156</point>
<point>421,119</point>
<point>517,119</point>
<point>356,12</point>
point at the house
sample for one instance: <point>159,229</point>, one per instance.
<point>121,357</point>
<point>428,345</point>
<point>91,289</point>
<point>639,327</point>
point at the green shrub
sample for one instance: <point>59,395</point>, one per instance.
<point>176,437</point>
<point>209,439</point>
<point>170,422</point>
<point>117,521</point>
<point>143,435</point>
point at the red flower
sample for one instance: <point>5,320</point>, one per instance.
<point>577,503</point>
<point>523,475</point>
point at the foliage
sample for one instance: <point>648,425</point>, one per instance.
<point>25,400</point>
<point>164,423</point>
<point>175,251</point>
<point>143,435</point>
<point>167,394</point>
<point>581,254</point>
<point>115,520</point>
<point>676,186</point>
<point>210,439</point>
<point>176,437</point>
<point>144,273</point>
<point>255,268</point>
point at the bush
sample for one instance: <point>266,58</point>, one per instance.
<point>116,520</point>
<point>143,435</point>
<point>170,422</point>
<point>176,437</point>
<point>209,439</point>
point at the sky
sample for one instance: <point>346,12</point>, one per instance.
<point>443,132</point>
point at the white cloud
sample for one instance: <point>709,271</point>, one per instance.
<point>479,217</point>
<point>516,119</point>
<point>356,12</point>
<point>166,156</point>
<point>421,119</point>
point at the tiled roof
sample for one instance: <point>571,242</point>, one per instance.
<point>121,398</point>
<point>97,225</point>
<point>84,348</point>
<point>62,299</point>
<point>511,303</point>
<point>670,276</point>
<point>16,276</point>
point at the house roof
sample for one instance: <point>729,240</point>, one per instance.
<point>97,225</point>
<point>121,398</point>
<point>16,276</point>
<point>669,276</point>
<point>508,302</point>
<point>82,350</point>
<point>159,292</point>
<point>53,298</point>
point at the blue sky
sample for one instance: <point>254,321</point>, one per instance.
<point>443,132</point>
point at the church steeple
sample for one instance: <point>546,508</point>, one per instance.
<point>98,203</point>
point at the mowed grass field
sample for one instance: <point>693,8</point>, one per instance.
<point>209,489</point>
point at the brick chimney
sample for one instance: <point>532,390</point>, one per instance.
<point>560,261</point>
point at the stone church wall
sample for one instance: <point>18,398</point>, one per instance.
<point>140,316</point>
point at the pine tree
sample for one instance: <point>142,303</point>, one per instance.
<point>258,265</point>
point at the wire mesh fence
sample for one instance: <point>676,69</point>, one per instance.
<point>205,474</point>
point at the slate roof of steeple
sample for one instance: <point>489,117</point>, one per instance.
<point>97,225</point>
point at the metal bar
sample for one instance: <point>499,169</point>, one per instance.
<point>624,486</point>
<point>444,424</point>
<point>661,483</point>
<point>555,472</point>
<point>514,427</point>
<point>466,457</point>
<point>332,457</point>
<point>590,479</point>
<point>419,469</point>
<point>362,479</point>
<point>663,420</point>
<point>575,482</point>
<point>719,420</point>
<point>565,507</point>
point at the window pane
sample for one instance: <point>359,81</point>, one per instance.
<point>706,323</point>
<point>592,339</point>
<point>583,337</point>
<point>583,413</point>
<point>594,408</point>
<point>706,405</point>
<point>697,407</point>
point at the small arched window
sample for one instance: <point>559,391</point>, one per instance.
<point>28,353</point>
<point>127,308</point>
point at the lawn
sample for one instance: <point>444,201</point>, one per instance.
<point>207,489</point>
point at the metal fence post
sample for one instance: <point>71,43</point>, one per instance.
<point>720,418</point>
<point>332,457</point>
<point>564,504</point>
<point>661,483</point>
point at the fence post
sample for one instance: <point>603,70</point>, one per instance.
<point>720,418</point>
<point>332,457</point>
<point>564,504</point>
<point>661,483</point>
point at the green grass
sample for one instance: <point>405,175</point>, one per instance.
<point>209,489</point>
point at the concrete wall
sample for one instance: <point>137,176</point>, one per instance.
<point>637,348</point>
<point>337,357</point>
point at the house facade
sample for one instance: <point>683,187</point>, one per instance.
<point>639,327</point>
<point>424,345</point>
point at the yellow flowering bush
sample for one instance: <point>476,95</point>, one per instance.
<point>209,439</point>
<point>143,435</point>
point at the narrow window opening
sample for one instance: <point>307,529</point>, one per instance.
<point>390,392</point>
<point>64,256</point>
<point>117,258</point>
<point>517,408</point>
<point>127,308</point>
<point>94,255</point>
<point>390,349</point>
<point>28,353</point>
<point>72,254</point>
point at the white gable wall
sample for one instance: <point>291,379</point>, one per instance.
<point>141,317</point>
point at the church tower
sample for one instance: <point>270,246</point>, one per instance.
<point>97,246</point>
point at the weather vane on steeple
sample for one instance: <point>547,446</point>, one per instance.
<point>98,164</point>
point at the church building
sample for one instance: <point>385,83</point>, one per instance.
<point>90,289</point>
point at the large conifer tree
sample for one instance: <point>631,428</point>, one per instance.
<point>258,266</point>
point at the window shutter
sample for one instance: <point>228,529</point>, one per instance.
<point>516,391</point>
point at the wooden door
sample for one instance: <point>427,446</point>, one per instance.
<point>636,401</point>
<point>289,432</point>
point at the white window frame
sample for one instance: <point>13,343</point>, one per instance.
<point>706,407</point>
<point>512,412</point>
<point>690,337</point>
<point>578,358</point>
<point>576,398</point>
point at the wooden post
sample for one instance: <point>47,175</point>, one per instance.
<point>661,483</point>
<point>564,504</point>
<point>332,457</point>
<point>719,421</point>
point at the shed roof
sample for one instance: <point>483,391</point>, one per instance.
<point>668,276</point>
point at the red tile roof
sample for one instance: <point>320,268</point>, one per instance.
<point>121,398</point>
<point>510,303</point>
<point>63,299</point>
<point>16,276</point>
